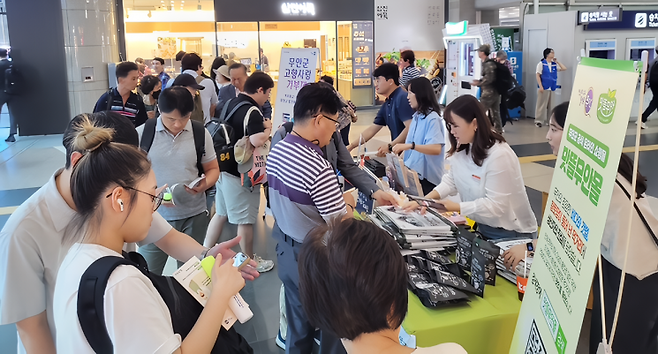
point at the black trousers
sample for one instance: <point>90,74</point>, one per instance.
<point>653,105</point>
<point>637,329</point>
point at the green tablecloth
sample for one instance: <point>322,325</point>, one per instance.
<point>482,326</point>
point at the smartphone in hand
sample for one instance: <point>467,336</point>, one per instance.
<point>196,182</point>
<point>240,260</point>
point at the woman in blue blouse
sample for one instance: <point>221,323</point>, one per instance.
<point>424,147</point>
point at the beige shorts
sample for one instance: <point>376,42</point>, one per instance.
<point>240,204</point>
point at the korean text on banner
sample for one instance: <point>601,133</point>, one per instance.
<point>297,69</point>
<point>570,239</point>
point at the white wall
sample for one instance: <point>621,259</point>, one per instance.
<point>407,25</point>
<point>560,31</point>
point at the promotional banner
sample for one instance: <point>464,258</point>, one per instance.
<point>362,49</point>
<point>296,69</point>
<point>570,239</point>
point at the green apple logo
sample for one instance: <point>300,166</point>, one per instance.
<point>606,107</point>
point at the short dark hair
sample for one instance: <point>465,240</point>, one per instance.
<point>219,61</point>
<point>328,79</point>
<point>3,52</point>
<point>388,71</point>
<point>124,68</point>
<point>485,48</point>
<point>148,83</point>
<point>237,66</point>
<point>314,98</point>
<point>105,163</point>
<point>124,130</point>
<point>180,55</point>
<point>176,97</point>
<point>191,61</point>
<point>408,56</point>
<point>468,107</point>
<point>422,88</point>
<point>547,51</point>
<point>159,59</point>
<point>257,80</point>
<point>560,113</point>
<point>352,279</point>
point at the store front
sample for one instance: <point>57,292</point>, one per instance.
<point>342,30</point>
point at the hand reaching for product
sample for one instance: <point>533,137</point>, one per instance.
<point>228,276</point>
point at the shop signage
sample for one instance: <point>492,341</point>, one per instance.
<point>298,8</point>
<point>362,47</point>
<point>603,14</point>
<point>456,28</point>
<point>628,20</point>
<point>296,69</point>
<point>570,237</point>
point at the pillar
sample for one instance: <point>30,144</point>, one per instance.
<point>90,43</point>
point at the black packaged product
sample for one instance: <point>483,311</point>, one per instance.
<point>436,257</point>
<point>445,278</point>
<point>464,248</point>
<point>412,268</point>
<point>432,294</point>
<point>483,265</point>
<point>434,267</point>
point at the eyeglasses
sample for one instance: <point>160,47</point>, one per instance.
<point>156,199</point>
<point>331,119</point>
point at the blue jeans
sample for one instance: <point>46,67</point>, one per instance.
<point>496,233</point>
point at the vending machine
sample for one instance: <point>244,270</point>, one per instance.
<point>635,47</point>
<point>463,66</point>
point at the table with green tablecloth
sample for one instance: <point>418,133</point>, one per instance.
<point>482,326</point>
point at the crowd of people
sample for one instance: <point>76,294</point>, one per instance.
<point>142,168</point>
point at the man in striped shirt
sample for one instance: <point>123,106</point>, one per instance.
<point>122,99</point>
<point>304,193</point>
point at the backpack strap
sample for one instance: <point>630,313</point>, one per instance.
<point>91,294</point>
<point>247,116</point>
<point>225,117</point>
<point>199,133</point>
<point>148,134</point>
<point>110,98</point>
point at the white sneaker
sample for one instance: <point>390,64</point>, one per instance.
<point>644,125</point>
<point>264,265</point>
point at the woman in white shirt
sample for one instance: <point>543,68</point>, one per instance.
<point>486,174</point>
<point>114,190</point>
<point>423,148</point>
<point>638,316</point>
<point>353,283</point>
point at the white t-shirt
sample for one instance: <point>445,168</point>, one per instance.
<point>444,348</point>
<point>540,67</point>
<point>208,95</point>
<point>31,251</point>
<point>492,194</point>
<point>136,317</point>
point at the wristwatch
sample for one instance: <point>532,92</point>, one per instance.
<point>530,247</point>
<point>390,148</point>
<point>413,146</point>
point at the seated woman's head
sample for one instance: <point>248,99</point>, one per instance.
<point>352,279</point>
<point>470,128</point>
<point>112,184</point>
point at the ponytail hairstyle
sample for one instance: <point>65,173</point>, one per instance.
<point>104,165</point>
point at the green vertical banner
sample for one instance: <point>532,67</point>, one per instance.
<point>570,236</point>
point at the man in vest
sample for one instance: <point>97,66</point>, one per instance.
<point>547,82</point>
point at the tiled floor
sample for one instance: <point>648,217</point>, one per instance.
<point>28,163</point>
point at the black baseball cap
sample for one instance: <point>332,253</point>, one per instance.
<point>188,81</point>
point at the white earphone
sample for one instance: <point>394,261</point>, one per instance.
<point>120,204</point>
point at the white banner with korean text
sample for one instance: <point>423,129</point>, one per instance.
<point>296,69</point>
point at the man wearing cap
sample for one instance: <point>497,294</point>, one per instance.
<point>191,64</point>
<point>190,83</point>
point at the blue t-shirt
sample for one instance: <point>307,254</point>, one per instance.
<point>394,112</point>
<point>426,130</point>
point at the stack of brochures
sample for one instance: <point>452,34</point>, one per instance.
<point>504,245</point>
<point>416,231</point>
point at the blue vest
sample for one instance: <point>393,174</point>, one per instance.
<point>548,76</point>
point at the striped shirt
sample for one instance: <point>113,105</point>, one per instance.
<point>304,190</point>
<point>133,109</point>
<point>409,73</point>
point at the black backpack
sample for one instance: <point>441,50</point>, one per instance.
<point>183,307</point>
<point>222,135</point>
<point>504,80</point>
<point>12,80</point>
<point>515,96</point>
<point>198,131</point>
